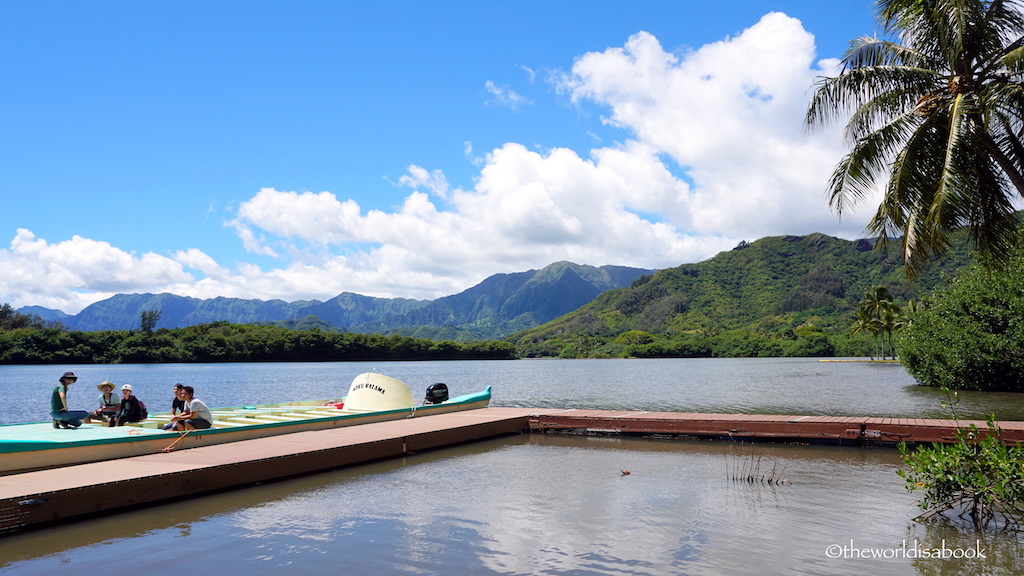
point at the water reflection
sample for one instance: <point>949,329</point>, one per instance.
<point>542,503</point>
<point>538,504</point>
<point>1001,554</point>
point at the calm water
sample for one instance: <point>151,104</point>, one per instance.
<point>541,504</point>
<point>757,385</point>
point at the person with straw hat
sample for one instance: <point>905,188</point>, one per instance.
<point>109,402</point>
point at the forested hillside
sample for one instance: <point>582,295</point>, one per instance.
<point>784,295</point>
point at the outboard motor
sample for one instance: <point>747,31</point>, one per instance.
<point>436,393</point>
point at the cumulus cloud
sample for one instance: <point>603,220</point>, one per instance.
<point>79,271</point>
<point>713,152</point>
<point>730,115</point>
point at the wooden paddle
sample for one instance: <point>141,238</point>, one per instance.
<point>180,439</point>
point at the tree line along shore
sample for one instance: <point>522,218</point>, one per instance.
<point>29,340</point>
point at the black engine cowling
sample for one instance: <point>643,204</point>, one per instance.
<point>436,393</point>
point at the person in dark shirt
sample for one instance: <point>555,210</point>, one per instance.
<point>130,409</point>
<point>177,406</point>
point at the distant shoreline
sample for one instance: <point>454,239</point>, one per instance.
<point>862,361</point>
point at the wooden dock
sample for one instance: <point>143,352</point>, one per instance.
<point>37,499</point>
<point>836,430</point>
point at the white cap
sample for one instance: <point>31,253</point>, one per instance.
<point>126,387</point>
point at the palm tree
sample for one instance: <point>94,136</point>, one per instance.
<point>887,323</point>
<point>936,118</point>
<point>865,325</point>
<point>878,316</point>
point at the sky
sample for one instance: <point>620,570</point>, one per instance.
<point>298,150</point>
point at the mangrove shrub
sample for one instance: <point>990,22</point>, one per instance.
<point>970,335</point>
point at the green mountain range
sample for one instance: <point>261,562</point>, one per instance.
<point>760,298</point>
<point>496,307</point>
<point>781,295</point>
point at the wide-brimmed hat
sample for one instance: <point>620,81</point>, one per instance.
<point>69,376</point>
<point>105,383</point>
<point>127,387</point>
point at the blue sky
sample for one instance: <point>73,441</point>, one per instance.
<point>297,150</point>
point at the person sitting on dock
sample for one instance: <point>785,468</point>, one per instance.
<point>62,417</point>
<point>130,409</point>
<point>197,415</point>
<point>109,402</point>
<point>177,405</point>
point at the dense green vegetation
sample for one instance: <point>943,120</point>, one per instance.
<point>223,342</point>
<point>11,319</point>
<point>971,334</point>
<point>777,296</point>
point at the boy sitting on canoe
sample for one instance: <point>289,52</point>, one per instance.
<point>130,410</point>
<point>196,416</point>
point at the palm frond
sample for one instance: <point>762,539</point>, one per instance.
<point>940,114</point>
<point>858,174</point>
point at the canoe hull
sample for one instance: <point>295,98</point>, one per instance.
<point>26,447</point>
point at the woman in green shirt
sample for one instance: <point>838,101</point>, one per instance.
<point>62,417</point>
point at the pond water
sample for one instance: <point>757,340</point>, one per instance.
<point>544,504</point>
<point>790,386</point>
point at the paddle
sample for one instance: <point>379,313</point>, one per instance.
<point>180,439</point>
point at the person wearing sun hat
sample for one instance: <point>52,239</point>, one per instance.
<point>130,409</point>
<point>62,417</point>
<point>109,402</point>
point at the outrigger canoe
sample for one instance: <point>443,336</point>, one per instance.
<point>371,398</point>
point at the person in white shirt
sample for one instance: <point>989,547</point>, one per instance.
<point>196,416</point>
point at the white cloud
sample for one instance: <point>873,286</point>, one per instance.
<point>729,113</point>
<point>74,273</point>
<point>198,260</point>
<point>505,96</point>
<point>531,74</point>
<point>714,152</point>
<point>434,181</point>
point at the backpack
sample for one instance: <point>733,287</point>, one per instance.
<point>143,411</point>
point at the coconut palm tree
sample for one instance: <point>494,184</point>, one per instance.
<point>865,325</point>
<point>878,316</point>
<point>936,119</point>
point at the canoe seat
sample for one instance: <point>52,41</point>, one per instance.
<point>302,415</point>
<point>245,420</point>
<point>225,424</point>
<point>280,418</point>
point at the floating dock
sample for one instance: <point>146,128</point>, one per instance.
<point>836,430</point>
<point>36,499</point>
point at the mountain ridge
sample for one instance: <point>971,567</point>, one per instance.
<point>754,299</point>
<point>494,308</point>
